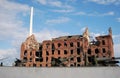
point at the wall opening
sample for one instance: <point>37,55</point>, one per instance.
<point>65,51</point>
<point>89,51</point>
<point>78,59</point>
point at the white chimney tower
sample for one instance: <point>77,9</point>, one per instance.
<point>31,21</point>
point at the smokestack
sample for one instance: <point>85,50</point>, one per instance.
<point>31,21</point>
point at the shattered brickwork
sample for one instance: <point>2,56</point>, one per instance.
<point>75,50</point>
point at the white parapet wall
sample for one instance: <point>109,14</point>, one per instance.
<point>78,72</point>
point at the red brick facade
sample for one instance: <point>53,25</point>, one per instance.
<point>75,50</point>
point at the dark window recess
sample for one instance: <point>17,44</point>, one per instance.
<point>96,51</point>
<point>71,65</point>
<point>47,45</point>
<point>46,59</point>
<point>46,65</point>
<point>37,59</point>
<point>34,65</point>
<point>58,57</point>
<point>78,59</point>
<point>30,59</point>
<point>78,65</point>
<point>58,51</point>
<point>71,44</point>
<point>40,65</point>
<point>71,59</point>
<point>89,59</point>
<point>47,53</point>
<point>53,46</point>
<point>25,59</point>
<point>71,51</point>
<point>52,51</point>
<point>37,54</point>
<point>41,59</point>
<point>65,44</point>
<point>59,44</point>
<point>103,42</point>
<point>103,50</point>
<point>25,53</point>
<point>78,50</point>
<point>69,36</point>
<point>41,54</point>
<point>78,44</point>
<point>74,64</point>
<point>89,51</point>
<point>40,48</point>
<point>30,53</point>
<point>65,51</point>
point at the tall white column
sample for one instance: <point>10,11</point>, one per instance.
<point>31,21</point>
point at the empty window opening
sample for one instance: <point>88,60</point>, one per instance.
<point>71,51</point>
<point>65,51</point>
<point>40,65</point>
<point>65,44</point>
<point>71,65</point>
<point>59,44</point>
<point>89,59</point>
<point>78,44</point>
<point>46,65</point>
<point>25,53</point>
<point>74,64</point>
<point>96,51</point>
<point>78,65</point>
<point>37,59</point>
<point>78,50</point>
<point>53,46</point>
<point>47,45</point>
<point>25,59</point>
<point>41,59</point>
<point>40,54</point>
<point>31,53</point>
<point>37,54</point>
<point>40,48</point>
<point>103,42</point>
<point>78,59</point>
<point>34,65</point>
<point>58,51</point>
<point>71,59</point>
<point>30,59</point>
<point>46,59</point>
<point>52,51</point>
<point>47,53</point>
<point>103,50</point>
<point>71,44</point>
<point>69,36</point>
<point>89,51</point>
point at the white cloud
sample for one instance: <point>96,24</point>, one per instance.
<point>10,19</point>
<point>118,19</point>
<point>43,2</point>
<point>46,34</point>
<point>58,20</point>
<point>7,56</point>
<point>11,27</point>
<point>105,2</point>
<point>117,50</point>
<point>111,13</point>
<point>63,11</point>
<point>55,3</point>
<point>7,53</point>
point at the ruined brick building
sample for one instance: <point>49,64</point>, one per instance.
<point>75,50</point>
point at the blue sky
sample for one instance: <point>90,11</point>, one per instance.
<point>54,18</point>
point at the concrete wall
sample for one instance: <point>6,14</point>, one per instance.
<point>78,72</point>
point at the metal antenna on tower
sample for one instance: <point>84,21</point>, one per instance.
<point>31,21</point>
